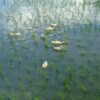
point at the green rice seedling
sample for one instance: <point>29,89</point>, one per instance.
<point>43,37</point>
<point>98,98</point>
<point>34,38</point>
<point>72,97</point>
<point>89,75</point>
<point>46,45</point>
<point>12,96</point>
<point>11,64</point>
<point>26,95</point>
<point>88,72</point>
<point>43,73</point>
<point>81,73</point>
<point>1,71</point>
<point>36,98</point>
<point>65,38</point>
<point>21,86</point>
<point>30,79</point>
<point>37,22</point>
<point>97,68</point>
<point>70,72</point>
<point>67,86</point>
<point>83,53</point>
<point>97,4</point>
<point>61,55</point>
<point>60,95</point>
<point>57,71</point>
<point>71,75</point>
<point>83,88</point>
<point>3,96</point>
<point>80,45</point>
<point>95,74</point>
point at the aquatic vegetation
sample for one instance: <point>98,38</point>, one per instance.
<point>45,65</point>
<point>83,88</point>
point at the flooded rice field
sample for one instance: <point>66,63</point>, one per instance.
<point>49,50</point>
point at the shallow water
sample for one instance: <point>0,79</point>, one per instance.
<point>72,74</point>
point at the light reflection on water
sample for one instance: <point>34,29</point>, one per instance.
<point>69,14</point>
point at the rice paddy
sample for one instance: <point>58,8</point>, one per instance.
<point>49,50</point>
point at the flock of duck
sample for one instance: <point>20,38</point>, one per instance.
<point>58,45</point>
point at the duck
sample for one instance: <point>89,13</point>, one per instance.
<point>15,33</point>
<point>58,48</point>
<point>49,28</point>
<point>45,65</point>
<point>57,42</point>
<point>54,25</point>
